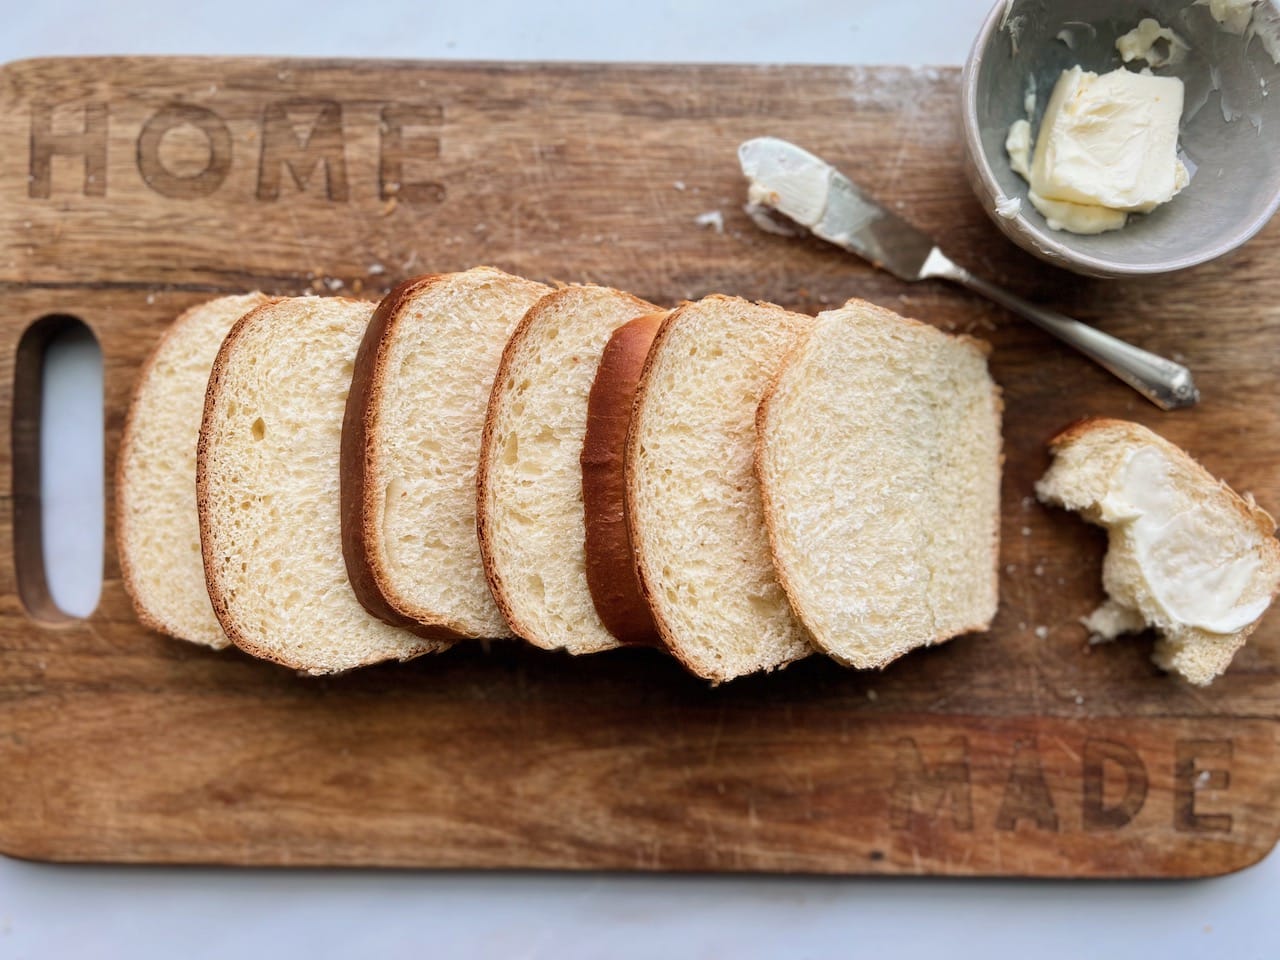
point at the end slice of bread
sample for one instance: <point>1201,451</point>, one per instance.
<point>1186,554</point>
<point>411,444</point>
<point>529,506</point>
<point>267,490</point>
<point>879,464</point>
<point>611,569</point>
<point>157,525</point>
<point>692,501</point>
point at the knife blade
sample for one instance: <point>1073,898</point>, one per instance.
<point>808,191</point>
<point>812,193</point>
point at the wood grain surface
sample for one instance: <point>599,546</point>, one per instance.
<point>133,188</point>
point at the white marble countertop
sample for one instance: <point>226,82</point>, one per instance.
<point>142,913</point>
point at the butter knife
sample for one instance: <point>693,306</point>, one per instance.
<point>808,191</point>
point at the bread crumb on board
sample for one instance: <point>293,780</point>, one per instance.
<point>712,218</point>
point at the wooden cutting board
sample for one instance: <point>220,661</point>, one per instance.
<point>133,188</point>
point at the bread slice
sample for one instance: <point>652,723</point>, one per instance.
<point>157,528</point>
<point>529,506</point>
<point>879,465</point>
<point>611,569</point>
<point>692,501</point>
<point>267,490</point>
<point>1186,554</point>
<point>411,444</point>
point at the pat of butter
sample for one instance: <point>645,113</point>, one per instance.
<point>1144,42</point>
<point>1077,217</point>
<point>1059,214</point>
<point>1195,578</point>
<point>1234,15</point>
<point>1110,141</point>
<point>1018,146</point>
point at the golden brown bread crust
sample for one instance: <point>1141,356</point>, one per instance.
<point>127,574</point>
<point>359,449</point>
<point>1078,429</point>
<point>611,572</point>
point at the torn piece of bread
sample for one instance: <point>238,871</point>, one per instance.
<point>529,484</point>
<point>267,490</point>
<point>411,444</point>
<point>1186,555</point>
<point>157,527</point>
<point>611,568</point>
<point>692,501</point>
<point>879,462</point>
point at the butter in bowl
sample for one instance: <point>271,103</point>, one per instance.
<point>1118,141</point>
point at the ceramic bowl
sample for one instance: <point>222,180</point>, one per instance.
<point>1230,132</point>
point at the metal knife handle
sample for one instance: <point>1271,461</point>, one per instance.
<point>1166,384</point>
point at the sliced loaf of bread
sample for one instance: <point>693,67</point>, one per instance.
<point>411,444</point>
<point>529,506</point>
<point>157,527</point>
<point>879,463</point>
<point>1186,554</point>
<point>693,505</point>
<point>611,569</point>
<point>267,490</point>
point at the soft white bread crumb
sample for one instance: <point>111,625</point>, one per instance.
<point>267,488</point>
<point>1111,620</point>
<point>879,461</point>
<point>157,527</point>
<point>530,503</point>
<point>411,446</point>
<point>693,504</point>
<point>1220,549</point>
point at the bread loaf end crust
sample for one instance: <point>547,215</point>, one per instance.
<point>611,572</point>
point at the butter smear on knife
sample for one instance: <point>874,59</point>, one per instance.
<point>1107,147</point>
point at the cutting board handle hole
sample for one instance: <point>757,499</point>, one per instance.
<point>58,468</point>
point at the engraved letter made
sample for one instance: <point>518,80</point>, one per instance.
<point>321,145</point>
<point>1026,794</point>
<point>921,790</point>
<point>1096,813</point>
<point>1189,778</point>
